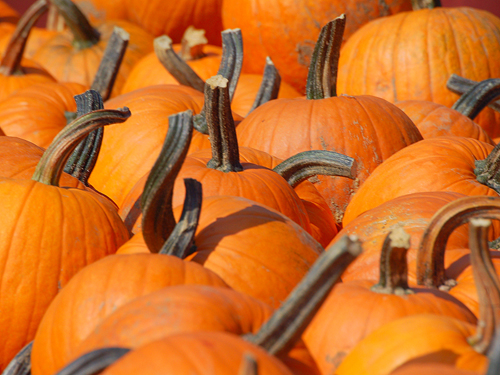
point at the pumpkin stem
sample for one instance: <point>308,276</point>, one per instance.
<point>487,171</point>
<point>430,257</point>
<point>230,68</point>
<point>316,162</point>
<point>476,98</point>
<point>280,333</point>
<point>50,166</point>
<point>158,220</point>
<point>176,66</point>
<point>192,44</point>
<point>84,35</point>
<point>21,363</point>
<point>221,128</point>
<point>55,21</point>
<point>425,4</point>
<point>11,61</point>
<point>460,85</point>
<point>393,265</point>
<point>93,362</point>
<point>494,355</point>
<point>249,365</point>
<point>322,76</point>
<point>487,285</point>
<point>269,87</point>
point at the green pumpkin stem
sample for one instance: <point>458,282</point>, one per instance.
<point>269,87</point>
<point>11,62</point>
<point>316,162</point>
<point>280,333</point>
<point>249,365</point>
<point>175,65</point>
<point>221,128</point>
<point>425,4</point>
<point>51,165</point>
<point>21,363</point>
<point>192,44</point>
<point>460,85</point>
<point>323,69</point>
<point>430,257</point>
<point>477,97</point>
<point>158,220</point>
<point>487,285</point>
<point>393,264</point>
<point>230,68</point>
<point>93,362</point>
<point>487,171</point>
<point>84,35</point>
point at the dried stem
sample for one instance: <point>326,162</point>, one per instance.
<point>460,85</point>
<point>269,87</point>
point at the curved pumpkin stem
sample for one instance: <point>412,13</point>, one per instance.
<point>430,257</point>
<point>249,365</point>
<point>269,87</point>
<point>280,333</point>
<point>50,166</point>
<point>487,285</point>
<point>21,363</point>
<point>494,355</point>
<point>221,128</point>
<point>84,35</point>
<point>487,171</point>
<point>11,62</point>
<point>478,97</point>
<point>425,4</point>
<point>93,362</point>
<point>158,220</point>
<point>460,85</point>
<point>316,162</point>
<point>322,76</point>
<point>393,265</point>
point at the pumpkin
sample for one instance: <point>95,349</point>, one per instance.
<point>7,13</point>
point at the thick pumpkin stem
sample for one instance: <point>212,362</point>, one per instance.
<point>175,65</point>
<point>93,362</point>
<point>425,4</point>
<point>317,162</point>
<point>21,363</point>
<point>269,87</point>
<point>230,68</point>
<point>192,44</point>
<point>478,97</point>
<point>280,333</point>
<point>158,220</point>
<point>11,62</point>
<point>494,355</point>
<point>487,171</point>
<point>55,21</point>
<point>84,35</point>
<point>249,365</point>
<point>393,264</point>
<point>460,85</point>
<point>51,165</point>
<point>221,128</point>
<point>487,285</point>
<point>322,76</point>
<point>430,257</point>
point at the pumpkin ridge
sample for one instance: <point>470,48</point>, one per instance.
<point>477,36</point>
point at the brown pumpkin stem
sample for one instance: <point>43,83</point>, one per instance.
<point>93,362</point>
<point>269,87</point>
<point>192,44</point>
<point>21,363</point>
<point>322,76</point>
<point>280,333</point>
<point>476,98</point>
<point>55,21</point>
<point>460,85</point>
<point>51,165</point>
<point>230,68</point>
<point>316,162</point>
<point>494,355</point>
<point>487,285</point>
<point>11,62</point>
<point>221,128</point>
<point>175,65</point>
<point>425,4</point>
<point>393,265</point>
<point>249,365</point>
<point>180,243</point>
<point>430,257</point>
<point>158,220</point>
<point>487,171</point>
<point>84,35</point>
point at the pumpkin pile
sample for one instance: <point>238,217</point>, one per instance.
<point>252,187</point>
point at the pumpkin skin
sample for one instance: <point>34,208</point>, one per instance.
<point>217,353</point>
<point>99,289</point>
<point>7,13</point>
<point>430,369</point>
<point>412,54</point>
<point>436,164</point>
<point>365,128</point>
<point>286,30</point>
